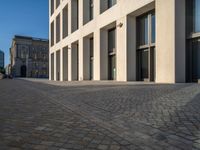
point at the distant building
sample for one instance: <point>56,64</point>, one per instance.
<point>29,57</point>
<point>8,69</point>
<point>1,59</point>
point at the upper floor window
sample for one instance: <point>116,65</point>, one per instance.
<point>91,9</point>
<point>57,3</point>
<point>52,7</point>
<point>196,15</point>
<point>106,4</point>
<point>111,3</point>
<point>146,33</point>
<point>192,16</point>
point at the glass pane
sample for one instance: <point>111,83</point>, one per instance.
<point>91,48</point>
<point>144,64</point>
<point>196,60</point>
<point>91,69</point>
<point>153,28</point>
<point>112,67</point>
<point>111,3</point>
<point>142,30</point>
<point>111,40</point>
<point>197,16</point>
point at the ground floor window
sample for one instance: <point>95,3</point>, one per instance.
<point>146,46</point>
<point>193,60</point>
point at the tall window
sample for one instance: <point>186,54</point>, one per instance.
<point>112,54</point>
<point>52,7</point>
<point>91,58</point>
<point>146,47</point>
<point>75,15</point>
<point>65,22</point>
<point>193,40</point>
<point>57,3</point>
<point>91,9</point>
<point>196,15</point>
<point>52,33</point>
<point>58,28</point>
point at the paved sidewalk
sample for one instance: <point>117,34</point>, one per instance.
<point>42,114</point>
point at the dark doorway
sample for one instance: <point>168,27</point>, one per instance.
<point>91,58</point>
<point>193,55</point>
<point>23,71</point>
<point>112,54</point>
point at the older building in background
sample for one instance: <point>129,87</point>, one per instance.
<point>29,57</point>
<point>1,59</point>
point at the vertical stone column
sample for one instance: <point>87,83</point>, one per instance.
<point>80,13</point>
<point>69,17</point>
<point>55,74</point>
<point>121,50</point>
<point>170,41</point>
<point>70,62</point>
<point>61,50</point>
<point>97,55</point>
<point>61,64</point>
<point>80,49</point>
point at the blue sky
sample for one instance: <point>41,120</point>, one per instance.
<point>22,17</point>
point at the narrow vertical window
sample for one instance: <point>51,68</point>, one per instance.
<point>197,16</point>
<point>57,3</point>
<point>75,15</point>
<point>111,3</point>
<point>52,7</point>
<point>91,9</point>
<point>65,22</point>
<point>52,33</point>
<point>58,28</point>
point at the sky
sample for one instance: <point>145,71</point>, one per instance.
<point>22,17</point>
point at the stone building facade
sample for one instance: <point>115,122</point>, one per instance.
<point>125,40</point>
<point>29,57</point>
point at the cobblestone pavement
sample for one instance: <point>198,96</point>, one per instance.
<point>41,114</point>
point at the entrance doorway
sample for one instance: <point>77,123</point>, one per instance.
<point>23,71</point>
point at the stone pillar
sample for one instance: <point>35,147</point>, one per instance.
<point>170,41</point>
<point>80,57</point>
<point>55,76</point>
<point>97,55</point>
<point>70,63</point>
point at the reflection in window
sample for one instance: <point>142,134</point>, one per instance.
<point>111,3</point>
<point>111,40</point>
<point>143,30</point>
<point>153,28</point>
<point>197,16</point>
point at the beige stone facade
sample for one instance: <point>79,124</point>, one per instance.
<point>123,40</point>
<point>29,57</point>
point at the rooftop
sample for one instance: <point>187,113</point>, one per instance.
<point>30,38</point>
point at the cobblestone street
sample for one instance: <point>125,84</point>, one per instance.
<point>48,115</point>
